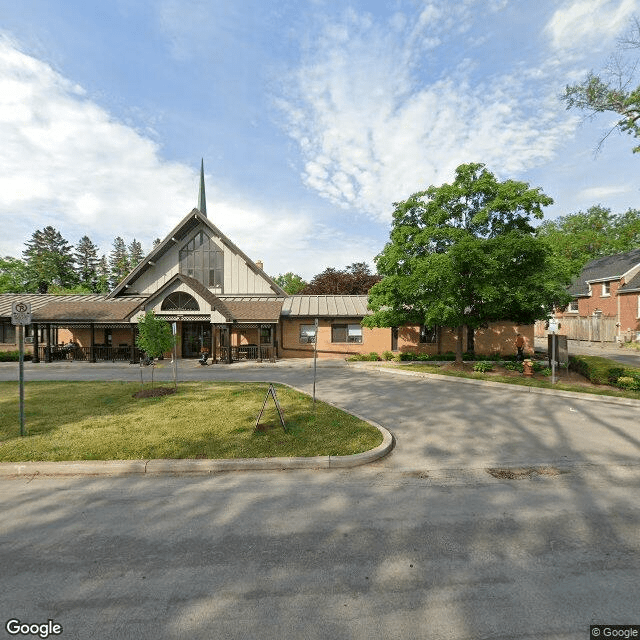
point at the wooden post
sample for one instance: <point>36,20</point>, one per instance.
<point>259,358</point>
<point>132,359</point>
<point>36,343</point>
<point>47,354</point>
<point>92,351</point>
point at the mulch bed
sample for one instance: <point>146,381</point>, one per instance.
<point>155,393</point>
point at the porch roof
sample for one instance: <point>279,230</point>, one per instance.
<point>253,308</point>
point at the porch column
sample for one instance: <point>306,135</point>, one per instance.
<point>214,351</point>
<point>132,359</point>
<point>47,353</point>
<point>259,358</point>
<point>273,339</point>
<point>92,350</point>
<point>36,343</point>
<point>227,332</point>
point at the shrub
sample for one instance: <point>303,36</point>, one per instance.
<point>13,356</point>
<point>483,366</point>
<point>631,382</point>
<point>514,366</point>
<point>387,355</point>
<point>600,370</point>
<point>373,357</point>
<point>546,371</point>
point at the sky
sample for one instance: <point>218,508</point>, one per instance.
<point>312,116</point>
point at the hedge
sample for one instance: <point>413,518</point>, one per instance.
<point>601,370</point>
<point>13,356</point>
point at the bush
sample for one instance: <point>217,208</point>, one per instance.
<point>387,355</point>
<point>373,357</point>
<point>600,370</point>
<point>483,366</point>
<point>631,382</point>
<point>13,356</point>
<point>514,366</point>
<point>546,371</point>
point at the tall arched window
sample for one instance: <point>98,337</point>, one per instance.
<point>179,301</point>
<point>202,258</point>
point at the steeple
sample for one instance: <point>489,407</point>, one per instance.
<point>202,199</point>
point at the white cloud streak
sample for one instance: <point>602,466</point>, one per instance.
<point>372,130</point>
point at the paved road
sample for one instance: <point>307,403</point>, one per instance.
<point>422,544</point>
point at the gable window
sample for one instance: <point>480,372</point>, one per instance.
<point>180,301</point>
<point>573,307</point>
<point>203,259</point>
<point>307,333</point>
<point>606,289</point>
<point>428,335</point>
<point>346,333</point>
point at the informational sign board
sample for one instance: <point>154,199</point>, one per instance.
<point>553,326</point>
<point>559,352</point>
<point>21,313</point>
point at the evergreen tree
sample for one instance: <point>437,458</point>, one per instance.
<point>136,254</point>
<point>50,256</point>
<point>104,275</point>
<point>156,242</point>
<point>118,261</point>
<point>86,257</point>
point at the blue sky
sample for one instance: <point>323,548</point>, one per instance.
<point>313,117</point>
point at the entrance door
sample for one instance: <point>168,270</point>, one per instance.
<point>195,335</point>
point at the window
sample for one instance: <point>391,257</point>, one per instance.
<point>606,289</point>
<point>428,335</point>
<point>346,333</point>
<point>201,258</point>
<point>7,333</point>
<point>307,333</point>
<point>180,301</point>
<point>573,307</point>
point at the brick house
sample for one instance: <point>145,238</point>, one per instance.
<point>222,301</point>
<point>606,301</point>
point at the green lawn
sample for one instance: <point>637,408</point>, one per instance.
<point>540,382</point>
<point>102,421</point>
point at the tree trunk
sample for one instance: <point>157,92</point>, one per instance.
<point>459,344</point>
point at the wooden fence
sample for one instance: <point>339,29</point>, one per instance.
<point>590,328</point>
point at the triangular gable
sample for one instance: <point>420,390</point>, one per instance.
<point>215,307</point>
<point>179,235</point>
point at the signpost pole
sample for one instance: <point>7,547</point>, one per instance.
<point>553,358</point>
<point>21,347</point>
<point>174,330</point>
<point>315,361</point>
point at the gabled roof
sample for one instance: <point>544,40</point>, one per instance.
<point>180,233</point>
<point>253,308</point>
<point>606,268</point>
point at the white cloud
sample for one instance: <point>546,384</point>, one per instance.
<point>583,24</point>
<point>372,129</point>
<point>66,162</point>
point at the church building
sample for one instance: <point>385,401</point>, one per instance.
<point>222,303</point>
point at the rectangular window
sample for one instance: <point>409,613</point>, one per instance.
<point>7,333</point>
<point>573,307</point>
<point>346,333</point>
<point>606,289</point>
<point>307,333</point>
<point>428,335</point>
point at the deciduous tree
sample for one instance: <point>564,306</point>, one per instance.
<point>291,282</point>
<point>354,279</point>
<point>465,254</point>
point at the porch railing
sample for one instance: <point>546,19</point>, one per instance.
<point>89,354</point>
<point>248,352</point>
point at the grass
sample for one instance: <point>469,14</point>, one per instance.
<point>102,421</point>
<point>524,382</point>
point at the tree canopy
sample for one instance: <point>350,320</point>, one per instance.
<point>614,90</point>
<point>291,282</point>
<point>466,254</point>
<point>354,279</point>
<point>50,256</point>
<point>585,235</point>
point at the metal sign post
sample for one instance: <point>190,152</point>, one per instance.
<point>315,361</point>
<point>20,317</point>
<point>553,327</point>
<point>174,330</point>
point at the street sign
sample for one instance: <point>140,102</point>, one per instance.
<point>21,313</point>
<point>553,325</point>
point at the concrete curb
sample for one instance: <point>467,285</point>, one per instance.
<point>191,466</point>
<point>629,402</point>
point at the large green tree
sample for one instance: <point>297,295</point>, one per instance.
<point>118,261</point>
<point>465,254</point>
<point>50,256</point>
<point>136,254</point>
<point>86,258</point>
<point>16,276</point>
<point>585,235</point>
<point>291,282</point>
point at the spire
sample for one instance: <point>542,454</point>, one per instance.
<point>202,199</point>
